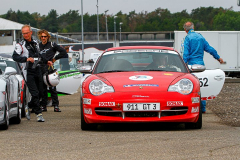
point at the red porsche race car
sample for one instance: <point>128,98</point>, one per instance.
<point>145,84</point>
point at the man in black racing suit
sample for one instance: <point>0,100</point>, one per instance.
<point>49,49</point>
<point>26,52</point>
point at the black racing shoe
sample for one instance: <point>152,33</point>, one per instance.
<point>56,109</point>
<point>44,108</point>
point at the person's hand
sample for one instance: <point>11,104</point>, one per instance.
<point>49,63</point>
<point>53,60</point>
<point>220,60</point>
<point>30,59</point>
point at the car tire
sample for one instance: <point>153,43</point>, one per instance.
<point>18,118</point>
<point>84,125</point>
<point>198,124</point>
<point>5,125</point>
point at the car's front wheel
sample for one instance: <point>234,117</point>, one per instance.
<point>84,125</point>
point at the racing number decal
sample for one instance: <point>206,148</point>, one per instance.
<point>204,82</point>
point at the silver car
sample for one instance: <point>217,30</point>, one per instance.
<point>10,97</point>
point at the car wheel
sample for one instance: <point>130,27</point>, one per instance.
<point>5,125</point>
<point>198,124</point>
<point>18,118</point>
<point>84,125</point>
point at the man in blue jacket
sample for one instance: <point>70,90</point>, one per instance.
<point>194,46</point>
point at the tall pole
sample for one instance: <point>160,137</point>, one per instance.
<point>120,30</point>
<point>106,23</point>
<point>97,22</point>
<point>82,34</point>
<point>57,37</point>
<point>115,31</point>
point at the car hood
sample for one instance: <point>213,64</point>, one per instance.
<point>140,81</point>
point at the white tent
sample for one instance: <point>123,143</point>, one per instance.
<point>9,25</point>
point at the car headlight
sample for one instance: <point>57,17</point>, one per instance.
<point>98,87</point>
<point>184,86</point>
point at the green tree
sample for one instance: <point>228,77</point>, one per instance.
<point>228,20</point>
<point>50,23</point>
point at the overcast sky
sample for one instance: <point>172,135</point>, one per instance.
<point>114,6</point>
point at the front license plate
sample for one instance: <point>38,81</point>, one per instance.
<point>141,106</point>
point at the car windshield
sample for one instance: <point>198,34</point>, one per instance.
<point>140,60</point>
<point>3,66</point>
<point>70,63</point>
<point>9,63</point>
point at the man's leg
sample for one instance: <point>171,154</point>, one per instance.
<point>33,89</point>
<point>55,101</point>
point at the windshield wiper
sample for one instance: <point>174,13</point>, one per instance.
<point>153,70</point>
<point>113,71</point>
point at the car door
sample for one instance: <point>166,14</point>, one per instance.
<point>69,82</point>
<point>211,83</point>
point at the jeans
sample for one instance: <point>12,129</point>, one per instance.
<point>203,106</point>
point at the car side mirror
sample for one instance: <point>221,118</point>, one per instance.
<point>197,68</point>
<point>10,71</point>
<point>85,69</point>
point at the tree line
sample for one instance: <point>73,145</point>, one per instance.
<point>204,18</point>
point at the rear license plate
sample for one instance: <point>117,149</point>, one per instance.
<point>141,106</point>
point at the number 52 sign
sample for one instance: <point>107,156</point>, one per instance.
<point>203,81</point>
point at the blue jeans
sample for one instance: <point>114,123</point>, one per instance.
<point>203,106</point>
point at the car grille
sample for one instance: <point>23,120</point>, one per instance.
<point>117,113</point>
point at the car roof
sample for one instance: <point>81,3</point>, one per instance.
<point>140,47</point>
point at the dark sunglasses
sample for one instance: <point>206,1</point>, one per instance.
<point>44,36</point>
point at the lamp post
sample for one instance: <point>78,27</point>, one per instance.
<point>115,30</point>
<point>82,33</point>
<point>97,22</point>
<point>106,23</point>
<point>120,29</point>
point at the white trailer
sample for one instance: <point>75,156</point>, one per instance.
<point>225,42</point>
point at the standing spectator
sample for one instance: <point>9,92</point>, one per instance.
<point>64,62</point>
<point>194,46</point>
<point>26,51</point>
<point>48,50</point>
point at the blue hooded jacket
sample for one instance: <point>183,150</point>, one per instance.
<point>194,46</point>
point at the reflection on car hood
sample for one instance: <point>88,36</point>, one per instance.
<point>140,81</point>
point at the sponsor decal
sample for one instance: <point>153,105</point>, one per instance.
<point>140,77</point>
<point>141,85</point>
<point>168,74</point>
<point>106,103</point>
<point>208,98</point>
<point>69,75</point>
<point>86,101</point>
<point>175,103</point>
<point>195,109</point>
<point>139,96</point>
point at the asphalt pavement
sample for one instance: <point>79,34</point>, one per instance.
<point>60,137</point>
